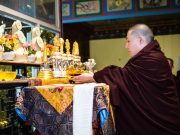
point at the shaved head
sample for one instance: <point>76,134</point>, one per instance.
<point>142,30</point>
<point>138,36</point>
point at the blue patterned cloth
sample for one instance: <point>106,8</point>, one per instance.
<point>35,109</point>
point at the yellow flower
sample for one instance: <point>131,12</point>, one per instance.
<point>16,45</point>
<point>8,43</point>
<point>15,40</point>
<point>2,40</point>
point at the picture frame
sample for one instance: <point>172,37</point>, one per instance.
<point>177,3</point>
<point>152,4</point>
<point>67,9</point>
<point>112,6</point>
<point>88,7</point>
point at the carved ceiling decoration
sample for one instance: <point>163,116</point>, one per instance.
<point>161,25</point>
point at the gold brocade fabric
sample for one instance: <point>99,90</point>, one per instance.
<point>55,81</point>
<point>107,92</point>
<point>50,109</point>
<point>39,82</point>
<point>60,97</point>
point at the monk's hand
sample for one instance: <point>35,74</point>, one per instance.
<point>83,78</point>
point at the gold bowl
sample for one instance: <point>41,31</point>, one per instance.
<point>74,72</point>
<point>7,76</point>
<point>45,74</point>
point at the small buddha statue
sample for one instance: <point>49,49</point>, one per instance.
<point>61,45</point>
<point>56,44</point>
<point>37,42</point>
<point>16,32</point>
<point>67,46</point>
<point>2,27</point>
<point>75,50</point>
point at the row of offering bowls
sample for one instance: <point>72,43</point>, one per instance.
<point>11,56</point>
<point>49,74</point>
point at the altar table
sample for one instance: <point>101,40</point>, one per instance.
<point>49,109</point>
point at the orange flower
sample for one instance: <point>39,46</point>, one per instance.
<point>8,36</point>
<point>49,46</point>
<point>8,42</point>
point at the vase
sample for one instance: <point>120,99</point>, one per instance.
<point>21,58</point>
<point>9,56</point>
<point>31,58</point>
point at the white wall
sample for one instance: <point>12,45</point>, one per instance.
<point>112,51</point>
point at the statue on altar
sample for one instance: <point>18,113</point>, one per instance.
<point>75,50</point>
<point>61,45</point>
<point>2,27</point>
<point>16,32</point>
<point>67,43</point>
<point>37,41</point>
<point>19,47</point>
<point>56,44</point>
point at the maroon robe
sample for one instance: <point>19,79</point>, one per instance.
<point>143,94</point>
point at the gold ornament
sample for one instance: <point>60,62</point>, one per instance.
<point>67,46</point>
<point>56,44</point>
<point>61,45</point>
<point>75,50</point>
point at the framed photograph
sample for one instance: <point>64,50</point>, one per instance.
<point>88,7</point>
<point>112,6</point>
<point>177,3</point>
<point>153,4</point>
<point>66,9</point>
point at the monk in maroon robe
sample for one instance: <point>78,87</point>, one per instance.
<point>143,92</point>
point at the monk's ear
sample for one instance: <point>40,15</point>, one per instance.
<point>141,39</point>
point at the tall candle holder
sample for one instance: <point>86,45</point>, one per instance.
<point>45,71</point>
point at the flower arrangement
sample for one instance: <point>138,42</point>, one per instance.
<point>49,49</point>
<point>29,49</point>
<point>8,42</point>
<point>31,52</point>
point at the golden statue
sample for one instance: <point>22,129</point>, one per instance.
<point>61,40</point>
<point>75,50</point>
<point>56,44</point>
<point>67,46</point>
